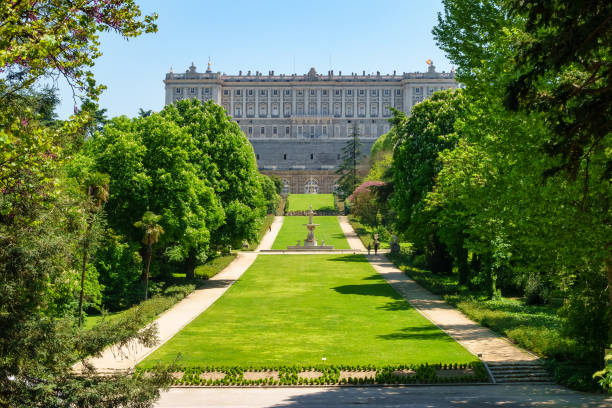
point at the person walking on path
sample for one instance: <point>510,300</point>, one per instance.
<point>369,247</point>
<point>376,244</point>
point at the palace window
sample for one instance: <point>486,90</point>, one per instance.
<point>374,130</point>
<point>287,92</point>
<point>361,92</point>
<point>362,109</point>
<point>287,130</point>
<point>207,90</point>
<point>337,111</point>
<point>285,156</point>
<point>374,110</point>
<point>192,90</point>
<point>250,130</point>
<point>312,131</point>
<point>250,109</point>
<point>226,92</point>
<point>299,131</point>
<point>300,109</point>
<point>300,92</point>
<point>257,157</point>
<point>325,92</point>
<point>237,92</point>
<point>398,92</point>
<point>312,108</point>
<point>263,109</point>
<point>287,109</point>
<point>349,110</point>
<point>430,91</point>
<point>311,156</point>
<point>274,109</point>
<point>324,130</point>
<point>349,91</point>
<point>274,130</point>
<point>263,92</point>
<point>178,91</point>
<point>237,111</point>
<point>324,110</point>
<point>417,90</point>
<point>386,92</point>
<point>374,92</point>
<point>386,110</point>
<point>337,92</point>
<point>263,130</point>
<point>275,92</point>
<point>313,92</point>
<point>250,92</point>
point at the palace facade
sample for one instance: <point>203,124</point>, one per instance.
<point>298,124</point>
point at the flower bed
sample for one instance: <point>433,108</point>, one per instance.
<point>474,372</point>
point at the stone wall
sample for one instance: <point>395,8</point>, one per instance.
<point>298,179</point>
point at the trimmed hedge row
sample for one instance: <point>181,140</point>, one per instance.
<point>327,375</point>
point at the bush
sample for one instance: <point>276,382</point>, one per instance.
<point>213,266</point>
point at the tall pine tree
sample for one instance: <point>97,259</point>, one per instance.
<point>351,158</point>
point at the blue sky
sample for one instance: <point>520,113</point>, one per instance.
<point>262,36</point>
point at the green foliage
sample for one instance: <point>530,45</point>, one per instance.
<point>265,227</point>
<point>270,192</point>
<point>348,170</point>
<point>213,266</point>
<point>327,374</point>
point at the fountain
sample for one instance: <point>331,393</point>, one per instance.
<point>310,242</point>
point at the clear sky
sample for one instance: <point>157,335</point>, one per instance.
<point>344,35</point>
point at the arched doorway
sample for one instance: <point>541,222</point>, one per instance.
<point>311,186</point>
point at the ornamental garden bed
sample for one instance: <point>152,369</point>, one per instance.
<point>473,372</point>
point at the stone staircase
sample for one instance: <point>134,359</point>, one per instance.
<point>519,372</point>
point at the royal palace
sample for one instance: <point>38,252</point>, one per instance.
<point>298,124</point>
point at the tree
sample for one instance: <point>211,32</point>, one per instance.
<point>527,219</point>
<point>151,232</point>
<point>419,139</point>
<point>225,159</point>
<point>144,113</point>
<point>351,158</point>
<point>39,238</point>
<point>149,161</point>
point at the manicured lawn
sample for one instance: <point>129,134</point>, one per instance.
<point>297,309</point>
<point>293,229</point>
<point>302,202</point>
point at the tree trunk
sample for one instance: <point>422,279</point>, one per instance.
<point>82,286</point>
<point>85,250</point>
<point>149,253</point>
<point>608,263</point>
<point>190,266</point>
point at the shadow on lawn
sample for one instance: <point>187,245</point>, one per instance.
<point>417,333</point>
<point>349,258</point>
<point>396,306</point>
<point>370,289</point>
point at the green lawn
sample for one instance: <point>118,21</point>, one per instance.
<point>293,229</point>
<point>302,202</point>
<point>297,309</point>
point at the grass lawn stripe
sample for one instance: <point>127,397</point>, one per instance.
<point>302,202</point>
<point>293,229</point>
<point>297,309</point>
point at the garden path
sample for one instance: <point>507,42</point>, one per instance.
<point>174,319</point>
<point>350,234</point>
<point>270,236</point>
<point>477,339</point>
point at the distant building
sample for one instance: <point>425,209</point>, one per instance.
<point>298,124</point>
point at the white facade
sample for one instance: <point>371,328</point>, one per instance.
<point>310,106</point>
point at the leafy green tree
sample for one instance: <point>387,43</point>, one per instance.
<point>151,233</point>
<point>348,170</point>
<point>527,219</point>
<point>270,192</point>
<point>149,163</point>
<point>225,159</point>
<point>429,130</point>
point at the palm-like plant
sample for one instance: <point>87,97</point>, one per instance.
<point>152,231</point>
